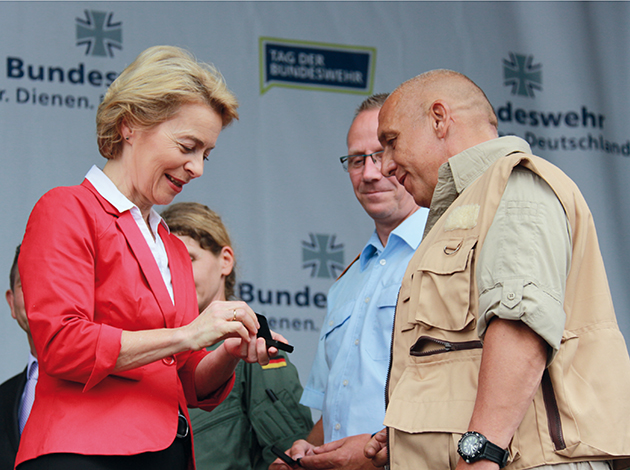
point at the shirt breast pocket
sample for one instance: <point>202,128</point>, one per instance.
<point>441,285</point>
<point>337,319</point>
<point>334,330</point>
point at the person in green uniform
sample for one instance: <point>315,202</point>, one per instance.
<point>263,408</point>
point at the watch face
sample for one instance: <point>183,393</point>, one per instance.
<point>474,446</point>
<point>470,445</point>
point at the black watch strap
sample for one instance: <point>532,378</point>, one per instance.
<point>495,454</point>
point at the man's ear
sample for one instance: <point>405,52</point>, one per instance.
<point>439,113</point>
<point>10,300</point>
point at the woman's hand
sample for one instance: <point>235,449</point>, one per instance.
<point>278,337</point>
<point>223,320</point>
<point>254,351</point>
<point>298,450</point>
<point>237,325</point>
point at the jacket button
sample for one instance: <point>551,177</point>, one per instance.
<point>169,361</point>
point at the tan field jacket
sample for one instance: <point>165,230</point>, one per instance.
<point>582,409</point>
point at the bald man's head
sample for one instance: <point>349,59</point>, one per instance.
<point>427,120</point>
<point>460,92</point>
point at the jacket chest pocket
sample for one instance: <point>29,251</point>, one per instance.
<point>441,285</point>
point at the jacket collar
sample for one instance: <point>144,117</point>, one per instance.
<point>173,316</point>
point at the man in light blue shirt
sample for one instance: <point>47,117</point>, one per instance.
<point>347,380</point>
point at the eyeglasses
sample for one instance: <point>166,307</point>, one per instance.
<point>354,163</point>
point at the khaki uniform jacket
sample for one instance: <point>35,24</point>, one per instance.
<point>581,411</point>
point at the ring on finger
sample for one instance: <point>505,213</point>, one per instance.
<point>234,317</point>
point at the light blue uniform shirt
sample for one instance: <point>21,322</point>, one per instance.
<point>347,380</point>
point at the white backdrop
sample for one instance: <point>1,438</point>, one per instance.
<point>557,73</point>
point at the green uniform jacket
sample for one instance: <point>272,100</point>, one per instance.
<point>262,410</point>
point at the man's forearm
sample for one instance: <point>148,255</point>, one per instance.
<point>512,364</point>
<point>316,436</point>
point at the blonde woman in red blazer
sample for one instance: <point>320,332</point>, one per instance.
<point>109,292</point>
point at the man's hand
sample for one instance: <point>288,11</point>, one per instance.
<point>376,449</point>
<point>346,453</point>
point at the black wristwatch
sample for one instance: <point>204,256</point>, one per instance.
<point>474,446</point>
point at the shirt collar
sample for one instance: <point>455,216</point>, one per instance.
<point>462,169</point>
<point>31,360</point>
<point>406,232</point>
<point>470,164</point>
<point>372,247</point>
<point>112,194</point>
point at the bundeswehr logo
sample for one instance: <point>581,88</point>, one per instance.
<point>322,255</point>
<point>99,33</point>
<point>522,75</point>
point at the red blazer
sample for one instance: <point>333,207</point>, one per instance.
<point>87,274</point>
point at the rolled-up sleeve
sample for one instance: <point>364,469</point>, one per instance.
<point>525,259</point>
<point>190,360</point>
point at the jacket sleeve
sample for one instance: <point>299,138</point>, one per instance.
<point>273,394</point>
<point>57,268</point>
<point>189,361</point>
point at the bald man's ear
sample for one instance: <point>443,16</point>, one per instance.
<point>439,113</point>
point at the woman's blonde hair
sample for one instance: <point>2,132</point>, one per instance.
<point>206,227</point>
<point>153,88</point>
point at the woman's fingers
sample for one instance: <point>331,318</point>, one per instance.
<point>278,337</point>
<point>235,319</point>
<point>261,352</point>
<point>243,313</point>
<point>237,329</point>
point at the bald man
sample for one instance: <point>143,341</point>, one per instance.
<point>506,349</point>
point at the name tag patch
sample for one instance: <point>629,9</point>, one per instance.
<point>462,218</point>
